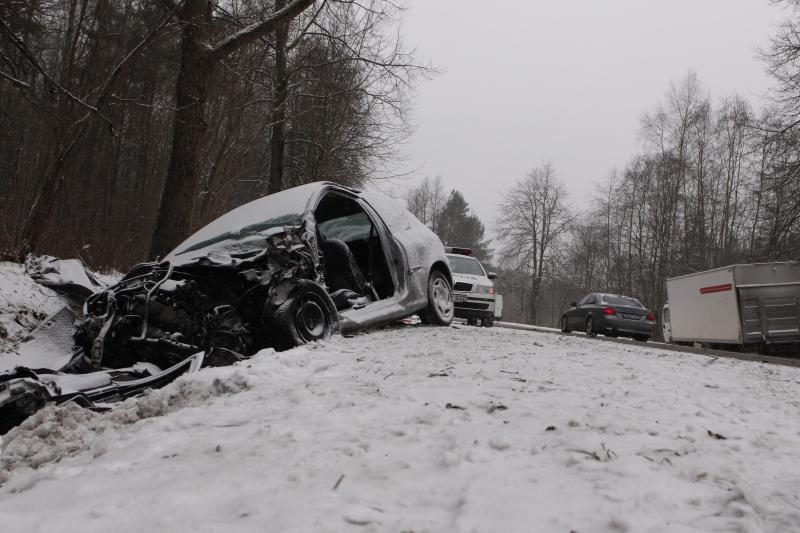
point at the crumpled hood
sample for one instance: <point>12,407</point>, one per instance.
<point>230,249</point>
<point>246,229</point>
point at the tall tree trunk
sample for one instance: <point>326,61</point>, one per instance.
<point>280,81</point>
<point>183,175</point>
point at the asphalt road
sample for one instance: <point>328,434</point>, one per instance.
<point>771,359</point>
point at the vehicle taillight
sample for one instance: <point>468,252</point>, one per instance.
<point>651,317</point>
<point>609,311</point>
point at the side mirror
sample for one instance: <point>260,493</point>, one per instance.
<point>573,304</point>
<point>491,275</point>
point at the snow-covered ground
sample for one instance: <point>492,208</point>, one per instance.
<point>23,304</point>
<point>426,429</point>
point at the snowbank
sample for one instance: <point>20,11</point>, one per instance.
<point>427,429</point>
<point>23,304</point>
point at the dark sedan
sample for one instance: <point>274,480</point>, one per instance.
<point>613,315</point>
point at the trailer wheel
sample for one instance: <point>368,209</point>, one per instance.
<point>590,331</point>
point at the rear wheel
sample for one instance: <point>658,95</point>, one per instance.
<point>307,315</point>
<point>565,324</point>
<point>487,322</point>
<point>472,321</point>
<point>590,331</point>
<point>439,310</point>
<point>641,338</point>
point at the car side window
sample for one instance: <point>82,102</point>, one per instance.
<point>348,228</point>
<point>585,300</point>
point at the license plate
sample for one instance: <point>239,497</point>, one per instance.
<point>459,298</point>
<point>632,317</point>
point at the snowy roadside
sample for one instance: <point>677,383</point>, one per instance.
<point>23,305</point>
<point>426,429</point>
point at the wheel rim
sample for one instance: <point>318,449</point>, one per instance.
<point>442,298</point>
<point>589,326</point>
<point>310,320</point>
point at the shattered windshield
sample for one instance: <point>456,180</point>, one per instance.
<point>244,234</point>
<point>245,228</point>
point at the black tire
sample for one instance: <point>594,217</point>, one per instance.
<point>487,322</point>
<point>565,325</point>
<point>641,338</point>
<point>472,321</point>
<point>590,331</point>
<point>439,310</point>
<point>307,315</point>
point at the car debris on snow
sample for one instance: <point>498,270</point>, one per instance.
<point>284,270</point>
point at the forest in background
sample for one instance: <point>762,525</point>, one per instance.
<point>717,184</point>
<point>126,124</point>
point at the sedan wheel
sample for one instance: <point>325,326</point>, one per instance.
<point>590,327</point>
<point>308,315</point>
<point>440,301</point>
<point>565,324</point>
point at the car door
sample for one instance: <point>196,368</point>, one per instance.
<point>577,315</point>
<point>666,324</point>
<point>591,307</point>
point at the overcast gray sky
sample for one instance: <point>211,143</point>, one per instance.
<point>526,81</point>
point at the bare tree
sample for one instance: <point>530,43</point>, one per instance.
<point>199,56</point>
<point>533,217</point>
<point>427,201</point>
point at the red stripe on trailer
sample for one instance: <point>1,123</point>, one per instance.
<point>716,288</point>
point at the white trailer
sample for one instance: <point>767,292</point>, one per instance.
<point>739,306</point>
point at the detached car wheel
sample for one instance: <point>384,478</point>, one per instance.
<point>307,315</point>
<point>439,310</point>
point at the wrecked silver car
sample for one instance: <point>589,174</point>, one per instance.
<point>281,271</point>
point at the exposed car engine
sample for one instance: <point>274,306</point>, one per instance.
<point>160,313</point>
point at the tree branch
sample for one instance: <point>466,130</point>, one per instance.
<point>33,61</point>
<point>256,30</point>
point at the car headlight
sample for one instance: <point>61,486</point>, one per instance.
<point>484,289</point>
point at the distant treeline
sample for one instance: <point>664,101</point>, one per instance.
<point>718,183</point>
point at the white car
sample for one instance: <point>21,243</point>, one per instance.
<point>286,269</point>
<point>473,290</point>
